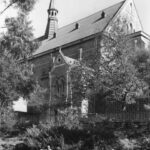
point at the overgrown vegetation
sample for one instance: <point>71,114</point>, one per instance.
<point>16,73</point>
<point>114,72</point>
<point>103,135</point>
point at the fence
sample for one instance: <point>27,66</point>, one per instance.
<point>119,111</point>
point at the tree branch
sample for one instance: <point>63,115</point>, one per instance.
<point>7,7</point>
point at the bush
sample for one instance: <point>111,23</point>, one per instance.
<point>8,121</point>
<point>68,139</point>
<point>41,136</point>
<point>89,135</point>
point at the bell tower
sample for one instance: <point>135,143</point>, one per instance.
<point>52,24</point>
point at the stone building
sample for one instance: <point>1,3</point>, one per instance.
<point>51,65</point>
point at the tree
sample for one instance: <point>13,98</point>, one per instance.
<point>24,5</point>
<point>16,46</point>
<point>113,74</point>
<point>141,61</point>
<point>109,71</point>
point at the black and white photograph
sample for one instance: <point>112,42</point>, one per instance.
<point>74,75</point>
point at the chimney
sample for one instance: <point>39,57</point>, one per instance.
<point>52,24</point>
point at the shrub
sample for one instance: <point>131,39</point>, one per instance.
<point>8,120</point>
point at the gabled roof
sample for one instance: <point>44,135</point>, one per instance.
<point>61,59</point>
<point>70,61</point>
<point>86,27</point>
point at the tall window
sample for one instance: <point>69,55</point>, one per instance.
<point>131,27</point>
<point>60,87</point>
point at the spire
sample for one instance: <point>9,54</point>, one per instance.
<point>52,23</point>
<point>51,5</point>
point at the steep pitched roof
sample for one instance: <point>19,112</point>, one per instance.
<point>87,26</point>
<point>51,5</point>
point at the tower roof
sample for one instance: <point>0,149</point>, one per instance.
<point>52,23</point>
<point>51,5</point>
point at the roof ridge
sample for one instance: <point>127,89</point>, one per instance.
<point>89,27</point>
<point>122,1</point>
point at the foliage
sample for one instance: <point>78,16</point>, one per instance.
<point>23,5</point>
<point>55,136</point>
<point>42,136</point>
<point>81,82</point>
<point>141,61</point>
<point>16,46</point>
<point>106,135</point>
<point>116,71</point>
<point>18,42</point>
<point>37,99</point>
<point>109,70</point>
<point>8,120</point>
<point>69,118</point>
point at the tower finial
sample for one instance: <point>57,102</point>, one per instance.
<point>52,23</point>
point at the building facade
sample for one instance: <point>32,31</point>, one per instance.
<point>61,48</point>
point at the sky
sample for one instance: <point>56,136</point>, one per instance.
<point>73,10</point>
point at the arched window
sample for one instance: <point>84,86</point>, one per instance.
<point>131,27</point>
<point>52,13</point>
<point>60,87</point>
